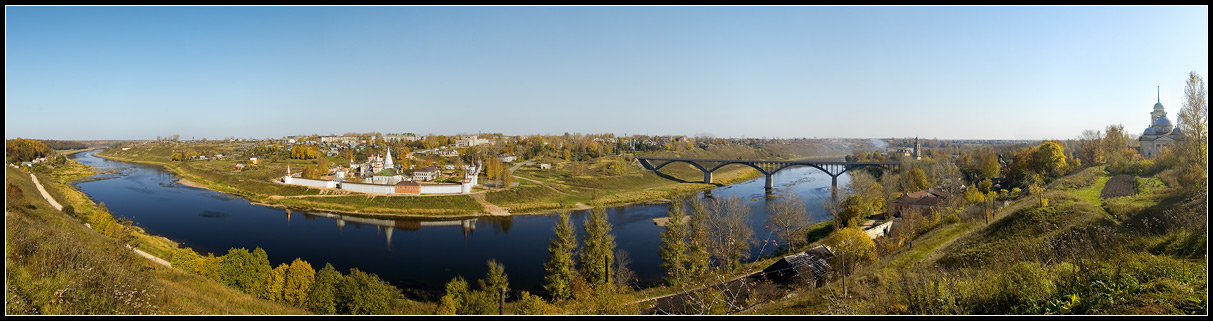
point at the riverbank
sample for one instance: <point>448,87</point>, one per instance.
<point>303,198</point>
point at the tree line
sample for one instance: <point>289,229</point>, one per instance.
<point>326,291</point>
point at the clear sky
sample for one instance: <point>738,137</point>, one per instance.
<point>255,72</point>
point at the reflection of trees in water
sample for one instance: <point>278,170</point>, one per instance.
<point>498,223</point>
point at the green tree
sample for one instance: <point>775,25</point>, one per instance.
<point>495,282</point>
<point>245,271</point>
<point>597,253</point>
<point>365,293</point>
<point>322,294</point>
<point>699,255</point>
<point>299,278</point>
<point>559,269</point>
<point>674,243</point>
<point>788,216</point>
<point>919,179</point>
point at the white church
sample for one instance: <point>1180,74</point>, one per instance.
<point>1160,135</point>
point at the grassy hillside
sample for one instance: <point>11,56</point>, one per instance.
<point>56,265</point>
<point>1079,254</point>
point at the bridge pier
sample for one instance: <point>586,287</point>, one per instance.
<point>707,177</point>
<point>770,183</point>
<point>834,188</point>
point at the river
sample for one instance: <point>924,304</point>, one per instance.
<point>409,253</point>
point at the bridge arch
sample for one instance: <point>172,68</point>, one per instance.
<point>696,165</point>
<point>749,164</point>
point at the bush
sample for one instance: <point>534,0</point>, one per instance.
<point>1027,283</point>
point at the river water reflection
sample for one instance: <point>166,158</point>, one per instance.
<point>409,253</point>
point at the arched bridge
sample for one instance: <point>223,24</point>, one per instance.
<point>766,167</point>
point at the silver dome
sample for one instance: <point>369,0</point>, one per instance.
<point>1149,131</point>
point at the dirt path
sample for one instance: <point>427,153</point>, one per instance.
<point>54,203</point>
<point>150,257</point>
<point>44,193</point>
<point>488,207</point>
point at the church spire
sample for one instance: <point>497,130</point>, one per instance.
<point>1158,92</point>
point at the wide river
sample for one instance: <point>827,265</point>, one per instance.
<point>413,254</point>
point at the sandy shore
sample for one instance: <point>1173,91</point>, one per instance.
<point>190,183</point>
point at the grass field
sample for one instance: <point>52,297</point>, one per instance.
<point>56,265</point>
<point>1069,257</point>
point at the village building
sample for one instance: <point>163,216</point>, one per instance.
<point>426,173</point>
<point>448,153</point>
<point>808,267</point>
<point>1160,135</point>
<point>507,158</point>
<point>924,201</point>
<point>470,141</point>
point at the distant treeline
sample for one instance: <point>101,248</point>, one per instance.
<point>24,150</point>
<point>64,144</point>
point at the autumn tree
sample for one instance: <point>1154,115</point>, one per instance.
<point>274,284</point>
<point>1089,147</point>
<point>599,247</point>
<point>299,278</point>
<point>852,248</point>
<point>788,216</point>
<point>989,167</point>
<point>728,230</point>
<point>1194,121</point>
<point>867,198</point>
<point>457,291</point>
<point>534,305</point>
<point>559,269</point>
<point>1115,144</point>
<point>1050,159</point>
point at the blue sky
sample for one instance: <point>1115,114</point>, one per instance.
<point>255,72</point>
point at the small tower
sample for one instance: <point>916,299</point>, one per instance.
<point>917,156</point>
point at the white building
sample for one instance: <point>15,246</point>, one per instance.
<point>1160,135</point>
<point>469,141</point>
<point>427,173</point>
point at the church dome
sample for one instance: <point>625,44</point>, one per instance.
<point>1149,131</point>
<point>1162,126</point>
<point>1158,106</point>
